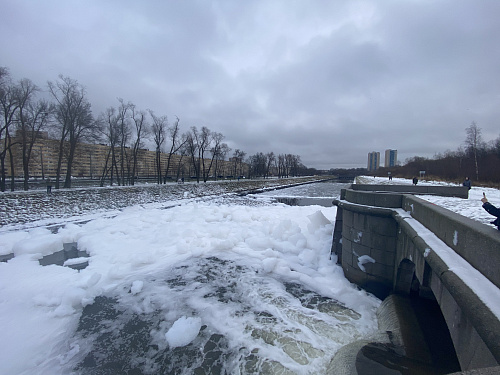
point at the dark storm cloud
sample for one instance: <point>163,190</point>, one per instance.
<point>329,82</point>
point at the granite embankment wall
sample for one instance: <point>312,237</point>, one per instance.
<point>389,241</point>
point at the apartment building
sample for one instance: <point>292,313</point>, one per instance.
<point>94,161</point>
<point>373,161</point>
<point>391,158</point>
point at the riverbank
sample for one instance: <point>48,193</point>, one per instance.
<point>36,207</point>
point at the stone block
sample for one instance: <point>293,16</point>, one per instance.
<point>383,243</point>
<point>380,270</point>
<point>360,221</point>
<point>384,257</point>
<point>347,218</point>
<point>347,252</point>
<point>360,250</point>
<point>366,238</point>
<point>383,226</point>
<point>355,275</point>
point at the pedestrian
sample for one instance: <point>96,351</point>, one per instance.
<point>415,180</point>
<point>492,210</point>
<point>467,182</point>
<point>49,185</point>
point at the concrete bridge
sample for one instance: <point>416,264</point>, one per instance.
<point>389,241</point>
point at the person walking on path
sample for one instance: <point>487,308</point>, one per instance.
<point>467,182</point>
<point>49,185</point>
<point>492,210</point>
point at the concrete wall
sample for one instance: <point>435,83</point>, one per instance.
<point>477,243</point>
<point>446,191</point>
<point>410,239</point>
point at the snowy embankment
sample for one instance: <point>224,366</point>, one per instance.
<point>132,253</point>
<point>36,208</point>
<point>471,208</point>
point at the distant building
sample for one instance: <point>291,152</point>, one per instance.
<point>373,161</point>
<point>391,158</point>
<point>93,161</point>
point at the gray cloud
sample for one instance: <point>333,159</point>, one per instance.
<point>329,82</point>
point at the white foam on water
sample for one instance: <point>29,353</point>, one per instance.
<point>135,255</point>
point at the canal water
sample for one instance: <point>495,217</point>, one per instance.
<point>224,314</point>
<point>321,194</point>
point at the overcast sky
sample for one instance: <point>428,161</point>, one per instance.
<point>327,80</point>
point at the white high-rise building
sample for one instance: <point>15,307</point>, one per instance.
<point>391,158</point>
<point>373,161</point>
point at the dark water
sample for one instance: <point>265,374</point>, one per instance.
<point>117,337</point>
<point>321,194</point>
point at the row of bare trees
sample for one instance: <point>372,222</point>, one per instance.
<point>67,117</point>
<point>24,117</point>
<point>477,159</point>
<point>282,165</point>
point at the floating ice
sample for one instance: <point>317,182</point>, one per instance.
<point>318,220</point>
<point>183,331</point>
<point>136,287</point>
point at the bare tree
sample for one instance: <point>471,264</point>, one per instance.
<point>192,148</point>
<point>270,161</point>
<point>257,165</point>
<point>110,133</point>
<point>159,126</point>
<point>141,129</point>
<point>31,119</point>
<point>9,105</point>
<point>177,141</point>
<point>124,134</point>
<point>204,146</point>
<point>198,143</point>
<point>473,143</point>
<point>283,165</point>
<point>183,151</point>
<point>238,157</point>
<point>74,115</point>
<point>218,149</point>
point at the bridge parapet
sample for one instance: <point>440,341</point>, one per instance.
<point>396,242</point>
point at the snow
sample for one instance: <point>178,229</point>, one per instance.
<point>482,287</point>
<point>40,306</point>
<point>363,260</point>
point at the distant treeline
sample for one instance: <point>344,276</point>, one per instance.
<point>476,159</point>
